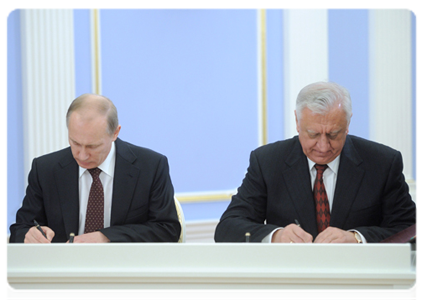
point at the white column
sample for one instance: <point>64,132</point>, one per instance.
<point>305,56</point>
<point>391,82</point>
<point>261,77</point>
<point>48,81</point>
<point>95,51</point>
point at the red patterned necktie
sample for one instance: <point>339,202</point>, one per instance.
<point>94,219</point>
<point>321,199</point>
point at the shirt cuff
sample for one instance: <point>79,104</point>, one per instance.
<point>268,238</point>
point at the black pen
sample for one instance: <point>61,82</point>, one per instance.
<point>247,237</point>
<point>298,223</point>
<point>39,228</point>
<point>71,236</point>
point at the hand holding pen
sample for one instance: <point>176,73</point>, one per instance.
<point>292,233</point>
<point>38,234</point>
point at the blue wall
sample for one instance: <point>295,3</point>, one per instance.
<point>349,61</point>
<point>275,75</point>
<point>15,156</point>
<point>82,44</point>
<point>185,85</point>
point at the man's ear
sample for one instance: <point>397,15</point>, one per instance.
<point>296,121</point>
<point>348,125</point>
<point>116,133</point>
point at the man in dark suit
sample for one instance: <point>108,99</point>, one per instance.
<point>137,196</point>
<point>365,198</point>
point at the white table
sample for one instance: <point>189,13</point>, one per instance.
<point>155,265</point>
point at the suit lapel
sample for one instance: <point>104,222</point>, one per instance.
<point>124,182</point>
<point>350,175</point>
<point>66,178</point>
<point>297,178</point>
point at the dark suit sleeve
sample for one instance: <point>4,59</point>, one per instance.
<point>247,210</point>
<point>398,210</point>
<point>32,208</point>
<point>160,221</point>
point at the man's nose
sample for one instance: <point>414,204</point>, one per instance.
<point>83,154</point>
<point>323,143</point>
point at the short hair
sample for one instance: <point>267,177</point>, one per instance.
<point>104,107</point>
<point>320,97</point>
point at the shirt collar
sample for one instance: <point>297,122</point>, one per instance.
<point>108,165</point>
<point>333,165</point>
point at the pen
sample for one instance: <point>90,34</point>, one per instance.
<point>71,236</point>
<point>39,228</point>
<point>298,223</point>
<point>247,237</point>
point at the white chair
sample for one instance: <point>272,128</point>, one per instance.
<point>181,220</point>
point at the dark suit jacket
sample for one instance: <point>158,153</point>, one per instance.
<point>370,196</point>
<point>143,208</point>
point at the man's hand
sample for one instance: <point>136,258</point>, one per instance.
<point>335,235</point>
<point>93,237</point>
<point>292,234</point>
<point>35,236</point>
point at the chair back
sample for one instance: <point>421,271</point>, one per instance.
<point>181,218</point>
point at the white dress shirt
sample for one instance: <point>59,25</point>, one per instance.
<point>106,178</point>
<point>329,180</point>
